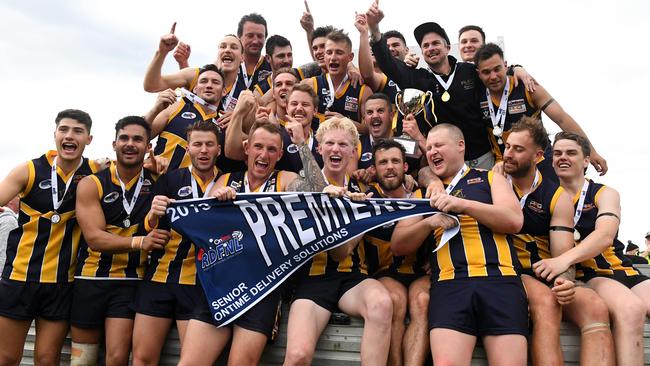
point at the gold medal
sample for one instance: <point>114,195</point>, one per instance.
<point>576,234</point>
<point>445,96</point>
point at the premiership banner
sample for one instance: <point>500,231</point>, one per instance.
<point>248,247</point>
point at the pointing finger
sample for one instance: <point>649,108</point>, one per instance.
<point>307,6</point>
<point>173,28</point>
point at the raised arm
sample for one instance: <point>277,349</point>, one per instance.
<point>163,100</point>
<point>370,77</point>
<point>243,116</point>
<point>307,23</point>
<point>556,113</point>
<point>154,81</point>
<point>312,180</point>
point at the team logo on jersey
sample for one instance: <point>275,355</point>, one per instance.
<point>458,193</point>
<point>366,156</point>
<point>220,249</point>
<point>516,106</point>
<point>474,180</point>
<point>45,184</point>
<point>293,148</point>
<point>262,75</point>
<point>588,207</point>
<point>536,206</point>
<point>236,185</point>
<point>467,84</point>
<point>188,115</point>
<point>111,197</point>
<point>185,191</point>
<point>351,104</point>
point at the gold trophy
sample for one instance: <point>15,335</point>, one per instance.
<point>411,101</point>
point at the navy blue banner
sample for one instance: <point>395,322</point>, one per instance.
<point>248,247</point>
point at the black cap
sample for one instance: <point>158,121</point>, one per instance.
<point>647,235</point>
<point>631,246</point>
<point>429,27</point>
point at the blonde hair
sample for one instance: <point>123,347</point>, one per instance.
<point>338,123</point>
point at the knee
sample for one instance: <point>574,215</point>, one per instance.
<point>419,304</point>
<point>631,314</point>
<point>544,306</point>
<point>46,358</point>
<point>298,356</point>
<point>596,312</point>
<point>380,307</point>
<point>399,305</point>
<point>7,359</point>
<point>117,358</point>
<point>141,358</point>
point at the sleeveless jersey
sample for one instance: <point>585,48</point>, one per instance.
<point>260,73</point>
<point>365,151</point>
<point>321,264</point>
<point>265,85</point>
<point>175,263</point>
<point>92,264</point>
<point>172,141</point>
<point>39,250</point>
<point>612,260</point>
<point>379,257</point>
<point>347,101</point>
<point>476,251</point>
<point>532,242</point>
<point>236,181</point>
<point>290,160</point>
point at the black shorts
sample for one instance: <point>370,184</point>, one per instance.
<point>166,300</point>
<point>260,318</point>
<point>628,281</point>
<point>326,290</point>
<point>406,279</point>
<point>95,300</point>
<point>30,300</point>
<point>479,306</point>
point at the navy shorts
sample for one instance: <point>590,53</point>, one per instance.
<point>628,281</point>
<point>166,300</point>
<point>479,306</point>
<point>95,300</point>
<point>326,290</point>
<point>30,300</point>
<point>260,318</point>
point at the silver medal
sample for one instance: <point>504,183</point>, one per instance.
<point>497,131</point>
<point>576,234</point>
<point>126,223</point>
<point>56,218</point>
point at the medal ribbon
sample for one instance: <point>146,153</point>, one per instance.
<point>522,200</point>
<point>346,180</point>
<point>128,206</point>
<point>262,188</point>
<point>54,183</point>
<point>195,190</point>
<point>456,179</point>
<point>333,92</point>
<point>498,119</point>
<point>581,202</point>
<point>198,100</point>
<point>445,84</point>
<point>225,102</point>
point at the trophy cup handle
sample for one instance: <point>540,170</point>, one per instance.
<point>398,101</point>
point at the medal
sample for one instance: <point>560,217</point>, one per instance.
<point>56,218</point>
<point>496,131</point>
<point>576,235</point>
<point>445,96</point>
<point>445,84</point>
<point>126,222</point>
<point>498,118</point>
<point>128,206</point>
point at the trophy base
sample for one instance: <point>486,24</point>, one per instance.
<point>410,145</point>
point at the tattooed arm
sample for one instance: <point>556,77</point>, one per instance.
<point>313,180</point>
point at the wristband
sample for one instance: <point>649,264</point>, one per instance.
<point>141,241</point>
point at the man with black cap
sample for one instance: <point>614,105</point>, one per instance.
<point>453,84</point>
<point>632,253</point>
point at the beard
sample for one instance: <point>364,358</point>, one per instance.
<point>389,185</point>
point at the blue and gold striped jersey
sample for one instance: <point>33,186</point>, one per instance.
<point>322,264</point>
<point>378,255</point>
<point>612,260</point>
<point>175,263</point>
<point>39,250</point>
<point>172,141</point>
<point>476,251</point>
<point>347,101</point>
<point>532,242</point>
<point>92,264</point>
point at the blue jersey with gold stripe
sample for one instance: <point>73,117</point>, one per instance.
<point>532,242</point>
<point>172,141</point>
<point>97,265</point>
<point>476,251</point>
<point>236,181</point>
<point>365,151</point>
<point>347,101</point>
<point>39,250</point>
<point>322,264</point>
<point>260,73</point>
<point>290,160</point>
<point>612,260</point>
<point>175,263</point>
<point>378,255</point>
<point>264,86</point>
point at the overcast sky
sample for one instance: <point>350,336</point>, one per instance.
<point>592,56</point>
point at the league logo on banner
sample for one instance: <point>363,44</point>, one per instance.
<point>247,247</point>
